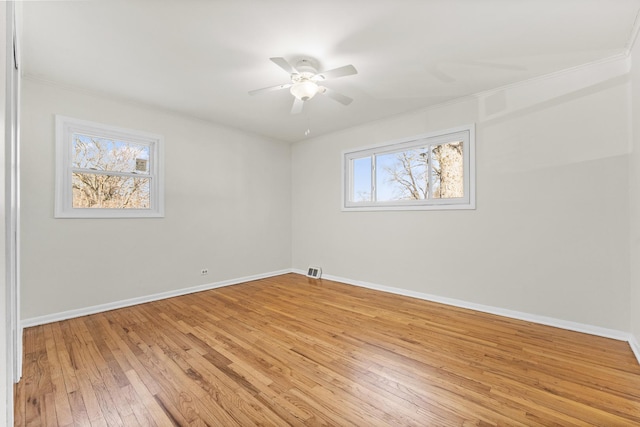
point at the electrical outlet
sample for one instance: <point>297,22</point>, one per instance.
<point>204,271</point>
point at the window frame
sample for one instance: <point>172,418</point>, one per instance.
<point>466,134</point>
<point>65,128</point>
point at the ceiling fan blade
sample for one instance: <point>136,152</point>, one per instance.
<point>270,88</point>
<point>282,63</point>
<point>297,106</point>
<point>343,99</point>
<point>347,70</point>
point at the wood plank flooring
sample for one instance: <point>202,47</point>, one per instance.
<point>295,351</point>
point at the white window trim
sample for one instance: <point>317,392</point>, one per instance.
<point>468,202</point>
<point>65,127</point>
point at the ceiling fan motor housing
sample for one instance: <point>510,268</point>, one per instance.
<point>307,67</point>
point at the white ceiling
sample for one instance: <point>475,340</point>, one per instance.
<point>201,57</point>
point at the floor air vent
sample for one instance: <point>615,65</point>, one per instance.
<point>314,272</point>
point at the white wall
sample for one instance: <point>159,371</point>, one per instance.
<point>549,236</point>
<point>634,195</point>
<point>227,209</point>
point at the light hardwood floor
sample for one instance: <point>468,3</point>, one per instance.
<point>294,351</point>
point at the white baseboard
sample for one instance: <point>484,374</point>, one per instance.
<point>634,346</point>
<point>534,318</point>
<point>56,317</point>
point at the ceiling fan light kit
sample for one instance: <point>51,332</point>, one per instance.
<point>304,90</point>
<point>304,82</point>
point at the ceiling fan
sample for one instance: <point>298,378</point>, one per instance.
<point>305,82</point>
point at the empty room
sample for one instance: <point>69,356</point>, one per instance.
<point>345,213</point>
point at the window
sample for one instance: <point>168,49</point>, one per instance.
<point>107,172</point>
<point>434,171</point>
